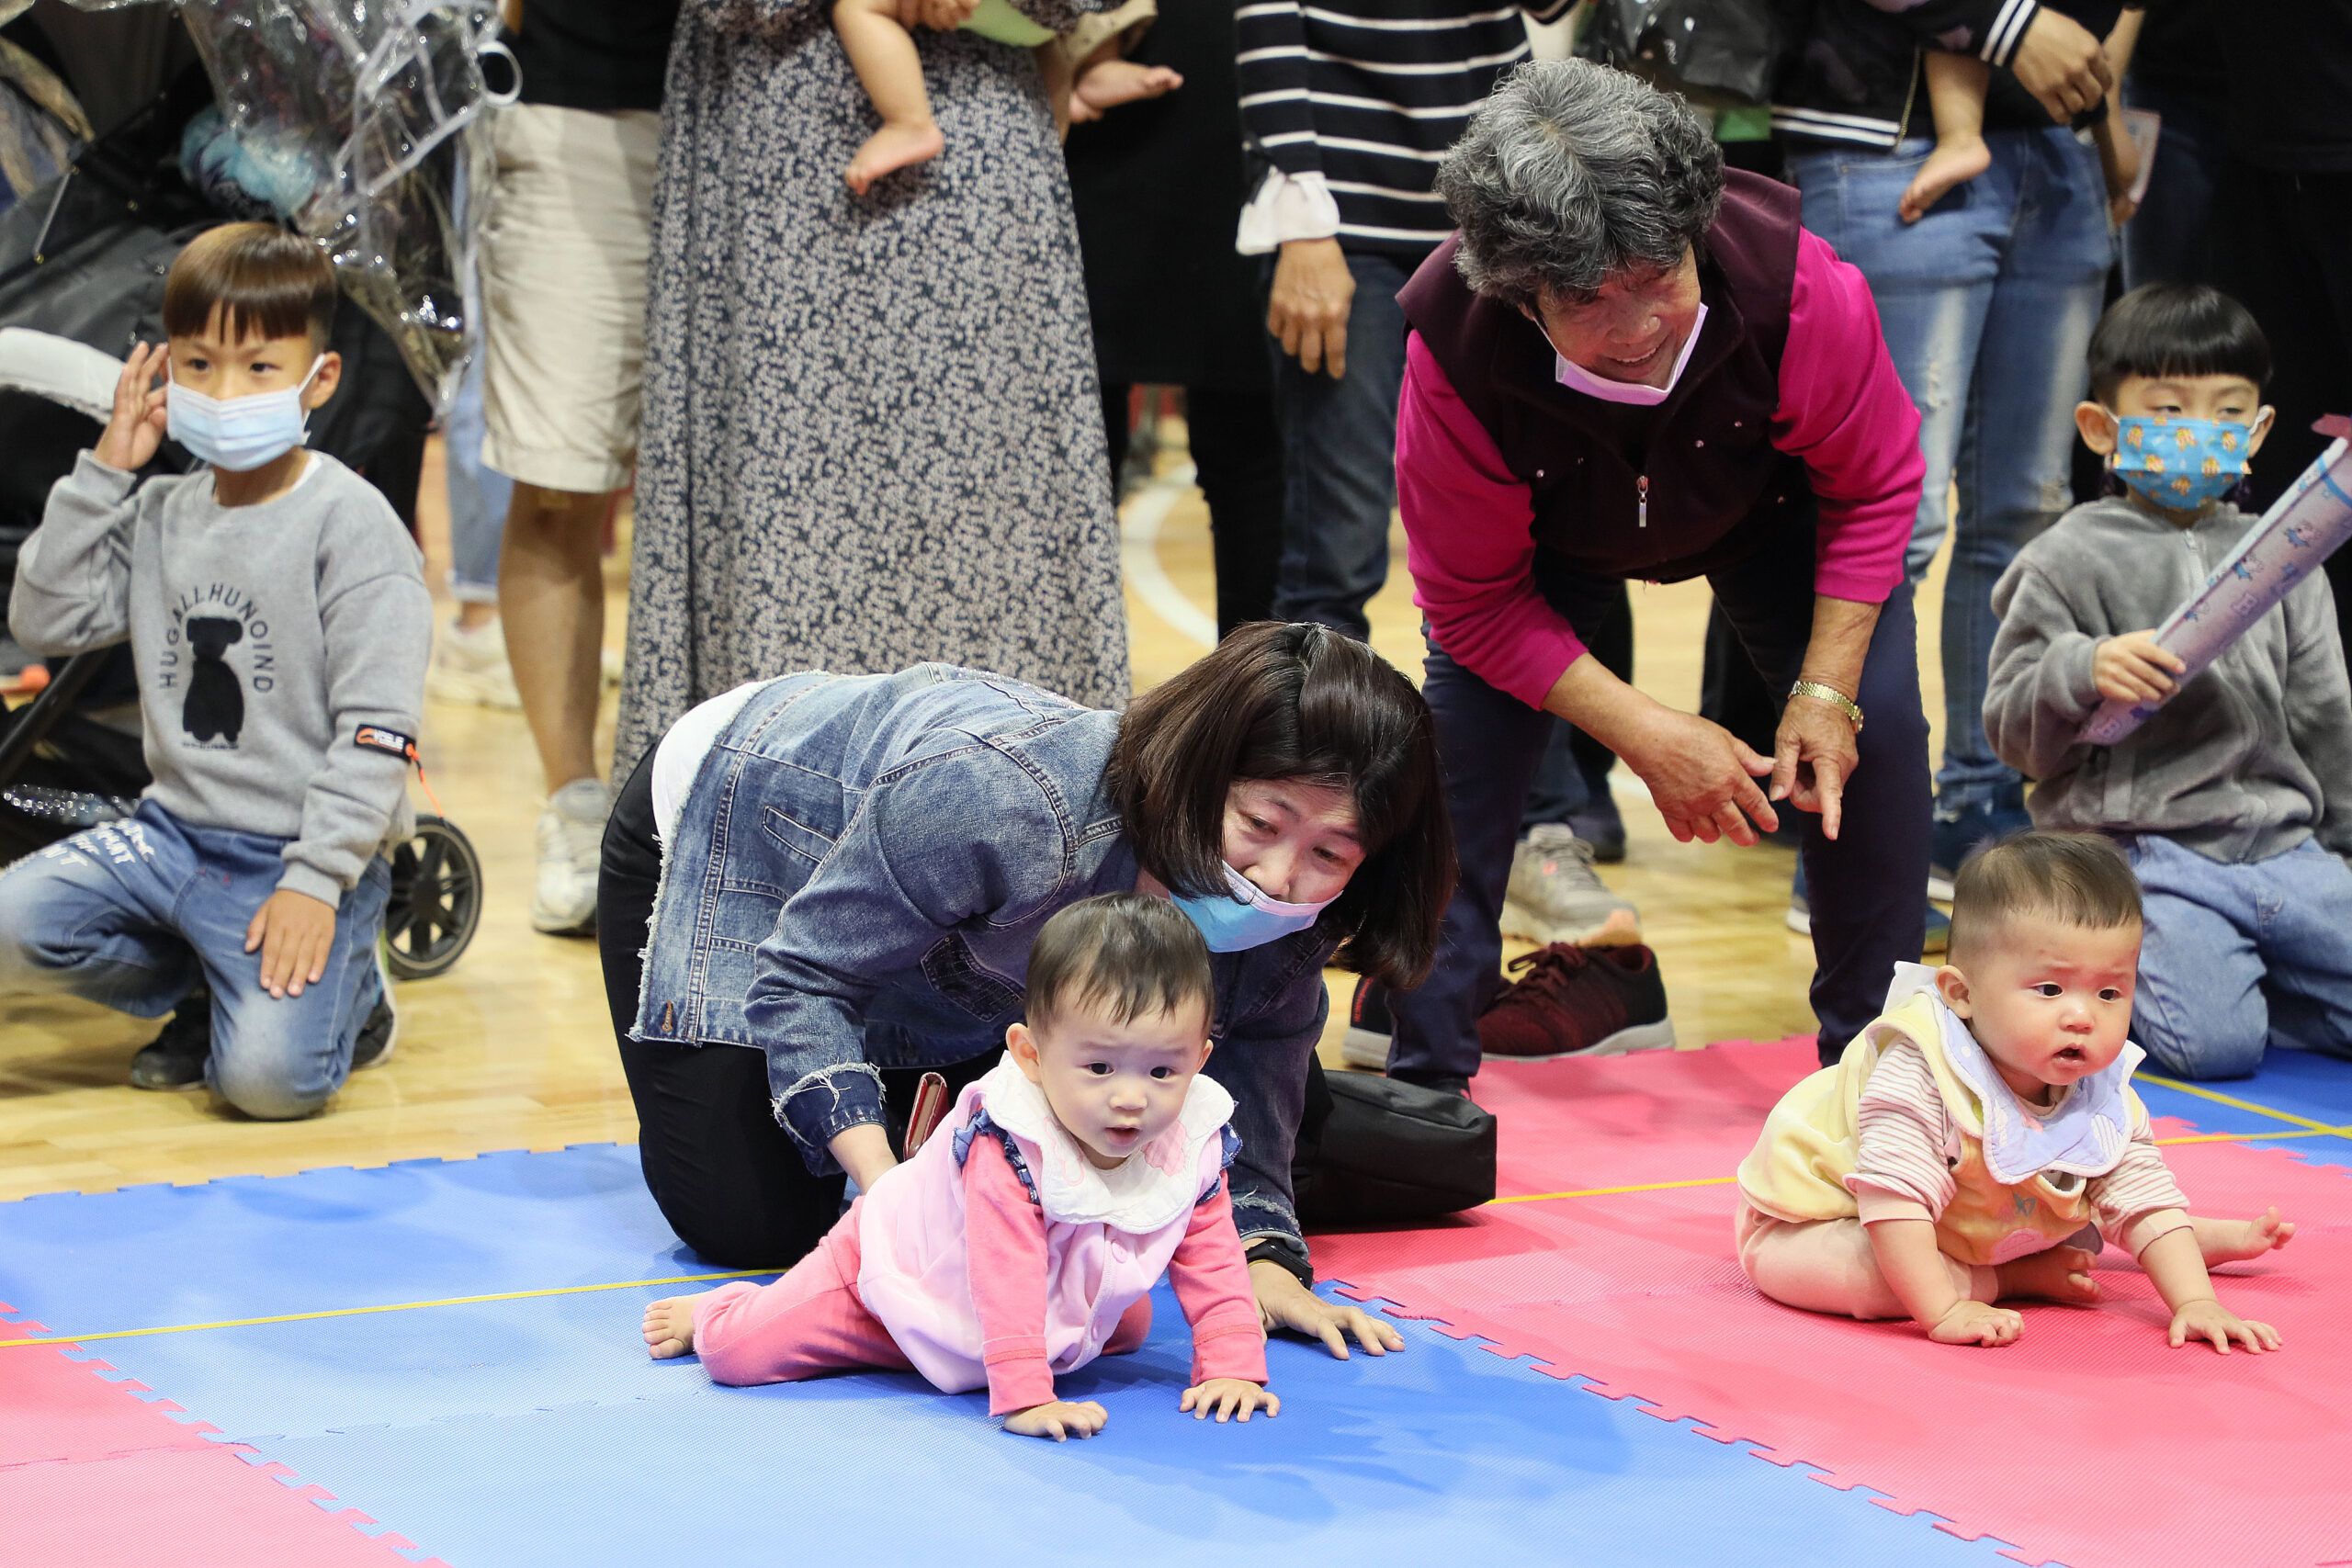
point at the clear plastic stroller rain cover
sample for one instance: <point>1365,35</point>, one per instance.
<point>376,100</point>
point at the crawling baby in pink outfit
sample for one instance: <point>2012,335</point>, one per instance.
<point>1024,1238</point>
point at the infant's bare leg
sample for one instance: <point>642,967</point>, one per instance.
<point>1828,1265</point>
<point>2234,1241</point>
<point>2056,1274</point>
<point>883,54</point>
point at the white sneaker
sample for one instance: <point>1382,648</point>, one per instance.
<point>571,841</point>
<point>1554,895</point>
<point>471,667</point>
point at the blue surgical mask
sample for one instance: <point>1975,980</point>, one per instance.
<point>240,434</point>
<point>1244,917</point>
<point>2179,462</point>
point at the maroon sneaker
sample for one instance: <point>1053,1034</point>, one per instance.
<point>1578,1001</point>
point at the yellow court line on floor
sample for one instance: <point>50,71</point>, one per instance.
<point>388,1307</point>
<point>2312,1129</point>
<point>2237,1104</point>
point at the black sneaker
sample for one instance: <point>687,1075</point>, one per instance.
<point>176,1058</point>
<point>373,1047</point>
<point>1578,1001</point>
<point>1370,1030</point>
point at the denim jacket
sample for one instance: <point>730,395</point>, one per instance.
<point>855,881</point>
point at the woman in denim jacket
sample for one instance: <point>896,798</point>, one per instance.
<point>845,873</point>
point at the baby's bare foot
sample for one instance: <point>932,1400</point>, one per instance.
<point>2234,1241</point>
<point>890,149</point>
<point>2059,1274</point>
<point>1951,164</point>
<point>669,1326</point>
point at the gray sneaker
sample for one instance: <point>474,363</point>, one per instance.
<point>1556,895</point>
<point>571,841</point>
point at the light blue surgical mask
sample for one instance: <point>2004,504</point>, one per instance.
<point>240,434</point>
<point>2179,462</point>
<point>1244,917</point>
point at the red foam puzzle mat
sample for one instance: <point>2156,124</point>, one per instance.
<point>2089,1443</point>
<point>97,1471</point>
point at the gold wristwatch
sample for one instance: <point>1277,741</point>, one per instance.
<point>1833,697</point>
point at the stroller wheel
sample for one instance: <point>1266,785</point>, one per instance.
<point>435,902</point>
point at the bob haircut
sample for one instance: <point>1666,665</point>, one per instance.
<point>1122,954</point>
<point>1303,703</point>
<point>2163,329</point>
<point>265,281</point>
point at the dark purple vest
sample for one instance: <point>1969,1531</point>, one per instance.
<point>1716,489</point>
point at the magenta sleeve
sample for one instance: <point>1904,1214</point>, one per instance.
<point>1845,412</point>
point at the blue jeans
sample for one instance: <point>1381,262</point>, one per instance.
<point>478,499</point>
<point>2174,236</point>
<point>2238,957</point>
<point>2005,276</point>
<point>1868,915</point>
<point>133,914</point>
<point>1340,459</point>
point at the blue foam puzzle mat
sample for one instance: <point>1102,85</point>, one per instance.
<point>535,1430</point>
<point>255,1247</point>
<point>2300,1083</point>
<point>1445,1452</point>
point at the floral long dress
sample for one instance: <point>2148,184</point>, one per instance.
<point>873,435</point>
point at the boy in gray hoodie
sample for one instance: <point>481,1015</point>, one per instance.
<point>2233,801</point>
<point>278,620</point>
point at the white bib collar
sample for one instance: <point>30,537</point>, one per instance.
<point>2084,1133</point>
<point>1148,1190</point>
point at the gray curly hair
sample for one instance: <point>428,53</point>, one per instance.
<point>1571,172</point>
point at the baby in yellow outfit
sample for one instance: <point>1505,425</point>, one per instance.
<point>1970,1134</point>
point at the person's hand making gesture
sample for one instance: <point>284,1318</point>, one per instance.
<point>136,428</point>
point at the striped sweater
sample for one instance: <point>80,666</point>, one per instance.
<point>1368,94</point>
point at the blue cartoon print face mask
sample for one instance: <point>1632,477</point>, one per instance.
<point>2179,462</point>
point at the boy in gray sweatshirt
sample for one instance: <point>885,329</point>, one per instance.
<point>278,620</point>
<point>2233,801</point>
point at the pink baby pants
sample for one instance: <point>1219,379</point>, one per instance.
<point>812,1322</point>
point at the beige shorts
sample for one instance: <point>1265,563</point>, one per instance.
<point>564,249</point>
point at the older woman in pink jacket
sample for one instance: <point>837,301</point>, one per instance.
<point>1631,364</point>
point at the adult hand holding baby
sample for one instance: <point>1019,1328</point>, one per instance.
<point>940,15</point>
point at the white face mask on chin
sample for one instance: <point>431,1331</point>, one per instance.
<point>240,434</point>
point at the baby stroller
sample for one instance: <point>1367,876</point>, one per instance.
<point>81,275</point>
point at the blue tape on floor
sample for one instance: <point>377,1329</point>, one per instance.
<point>1444,1452</point>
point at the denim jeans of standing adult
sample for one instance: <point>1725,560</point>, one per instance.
<point>479,497</point>
<point>1867,914</point>
<point>135,913</point>
<point>2239,957</point>
<point>2174,237</point>
<point>1340,457</point>
<point>1987,304</point>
